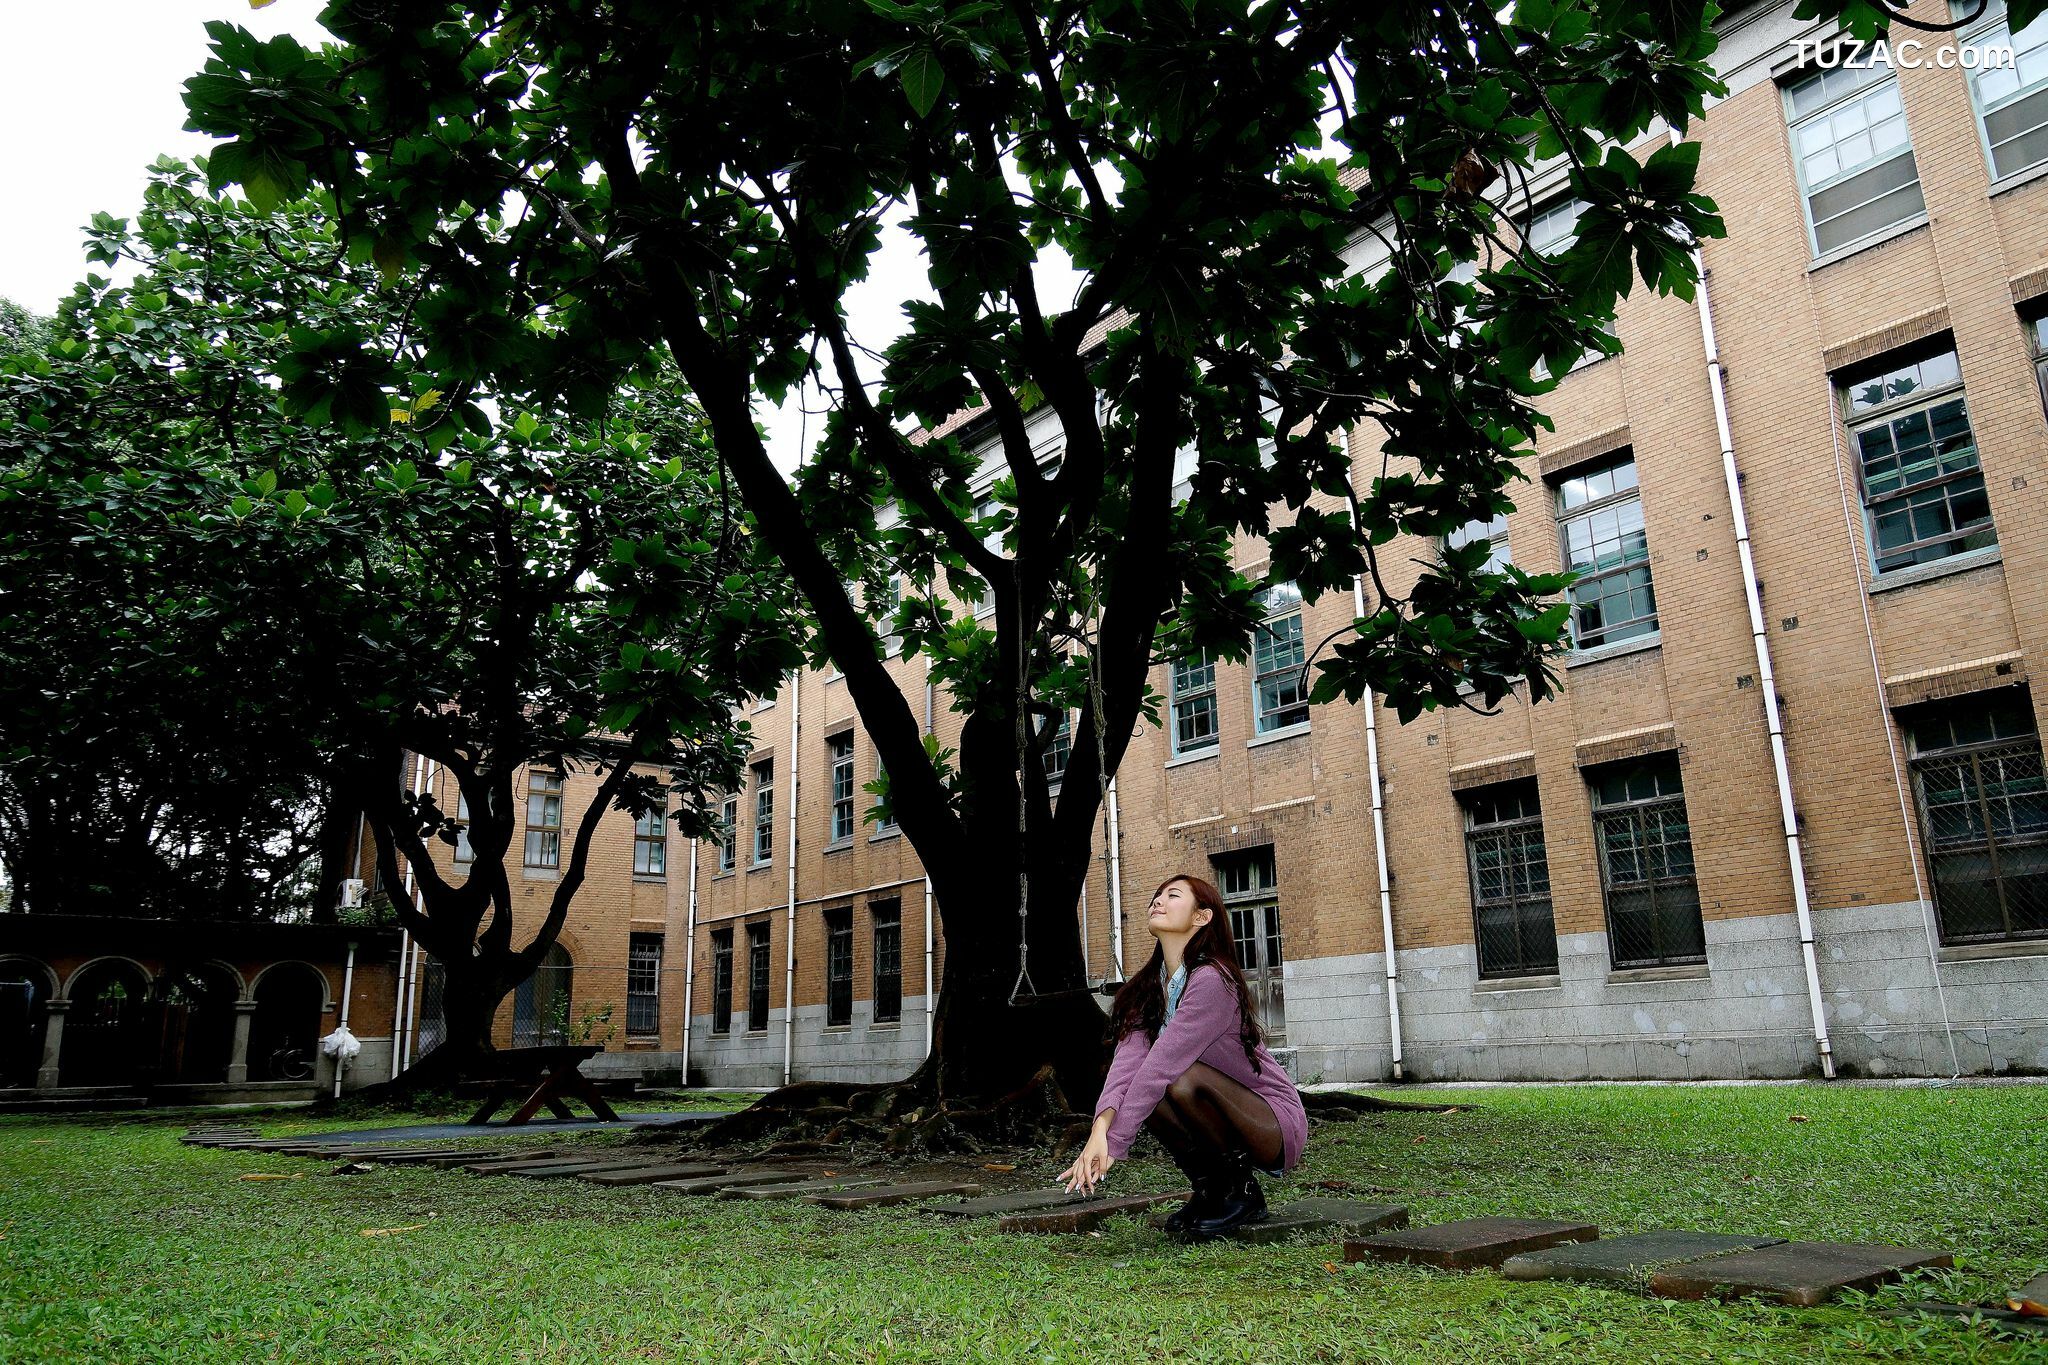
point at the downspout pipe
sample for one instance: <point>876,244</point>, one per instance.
<point>1766,676</point>
<point>1379,851</point>
<point>689,961</point>
<point>796,702</point>
<point>931,987</point>
<point>348,990</point>
<point>1116,885</point>
<point>419,782</point>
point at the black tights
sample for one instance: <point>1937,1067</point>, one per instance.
<point>1205,1114</point>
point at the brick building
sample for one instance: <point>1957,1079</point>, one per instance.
<point>1827,608</point>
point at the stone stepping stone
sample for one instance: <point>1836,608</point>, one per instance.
<point>886,1195</point>
<point>802,1189</point>
<point>1298,1216</point>
<point>503,1165</point>
<point>1799,1273</point>
<point>648,1175</point>
<point>1468,1243</point>
<point>1015,1201</point>
<point>562,1170</point>
<point>1087,1215</point>
<point>712,1184</point>
<point>1632,1258</point>
<point>440,1158</point>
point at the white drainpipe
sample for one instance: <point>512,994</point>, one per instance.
<point>1379,849</point>
<point>348,990</point>
<point>796,696</point>
<point>420,767</point>
<point>931,989</point>
<point>1116,886</point>
<point>689,961</point>
<point>1766,678</point>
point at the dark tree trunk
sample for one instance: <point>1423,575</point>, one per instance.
<point>336,842</point>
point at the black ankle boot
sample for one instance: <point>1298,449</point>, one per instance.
<point>1239,1200</point>
<point>1204,1182</point>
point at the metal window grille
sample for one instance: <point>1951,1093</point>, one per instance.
<point>887,917</point>
<point>1977,777</point>
<point>1194,704</point>
<point>2012,101</point>
<point>650,845</point>
<point>1600,517</point>
<point>764,813</point>
<point>1646,865</point>
<point>1250,896</point>
<point>1855,159</point>
<point>540,1004</point>
<point>721,981</point>
<point>1509,866</point>
<point>840,748</point>
<point>1916,457</point>
<point>838,967</point>
<point>544,819</point>
<point>643,984</point>
<point>757,978</point>
<point>1279,696</point>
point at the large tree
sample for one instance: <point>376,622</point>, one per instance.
<point>233,592</point>
<point>713,179</point>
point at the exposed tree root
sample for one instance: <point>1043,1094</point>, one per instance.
<point>907,1118</point>
<point>903,1118</point>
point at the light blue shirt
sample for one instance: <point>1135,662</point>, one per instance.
<point>1174,985</point>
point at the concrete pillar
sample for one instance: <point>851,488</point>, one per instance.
<point>53,1045</point>
<point>238,1058</point>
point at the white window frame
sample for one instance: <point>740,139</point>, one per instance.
<point>1988,35</point>
<point>546,789</point>
<point>1181,694</point>
<point>1585,511</point>
<point>650,844</point>
<point>1888,411</point>
<point>1850,94</point>
<point>839,766</point>
<point>1274,624</point>
<point>763,848</point>
<point>729,833</point>
<point>1494,531</point>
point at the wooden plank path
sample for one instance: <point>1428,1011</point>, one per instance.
<point>1673,1263</point>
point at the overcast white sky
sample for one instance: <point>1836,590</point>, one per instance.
<point>90,95</point>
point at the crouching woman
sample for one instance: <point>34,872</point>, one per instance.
<point>1191,1067</point>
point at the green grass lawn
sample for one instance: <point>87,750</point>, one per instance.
<point>119,1244</point>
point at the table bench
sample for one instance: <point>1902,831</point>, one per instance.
<point>548,1076</point>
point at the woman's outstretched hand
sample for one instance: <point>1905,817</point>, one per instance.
<point>1093,1163</point>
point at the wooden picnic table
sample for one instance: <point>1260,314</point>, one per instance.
<point>548,1076</point>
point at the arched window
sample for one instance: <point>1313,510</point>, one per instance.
<point>284,1032</point>
<point>25,989</point>
<point>105,1029</point>
<point>197,1007</point>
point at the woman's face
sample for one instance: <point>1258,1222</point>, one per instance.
<point>1174,911</point>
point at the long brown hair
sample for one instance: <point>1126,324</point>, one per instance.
<point>1141,1003</point>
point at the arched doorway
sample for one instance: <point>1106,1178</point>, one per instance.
<point>540,1004</point>
<point>195,1011</point>
<point>25,991</point>
<point>106,1028</point>
<point>284,1031</point>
